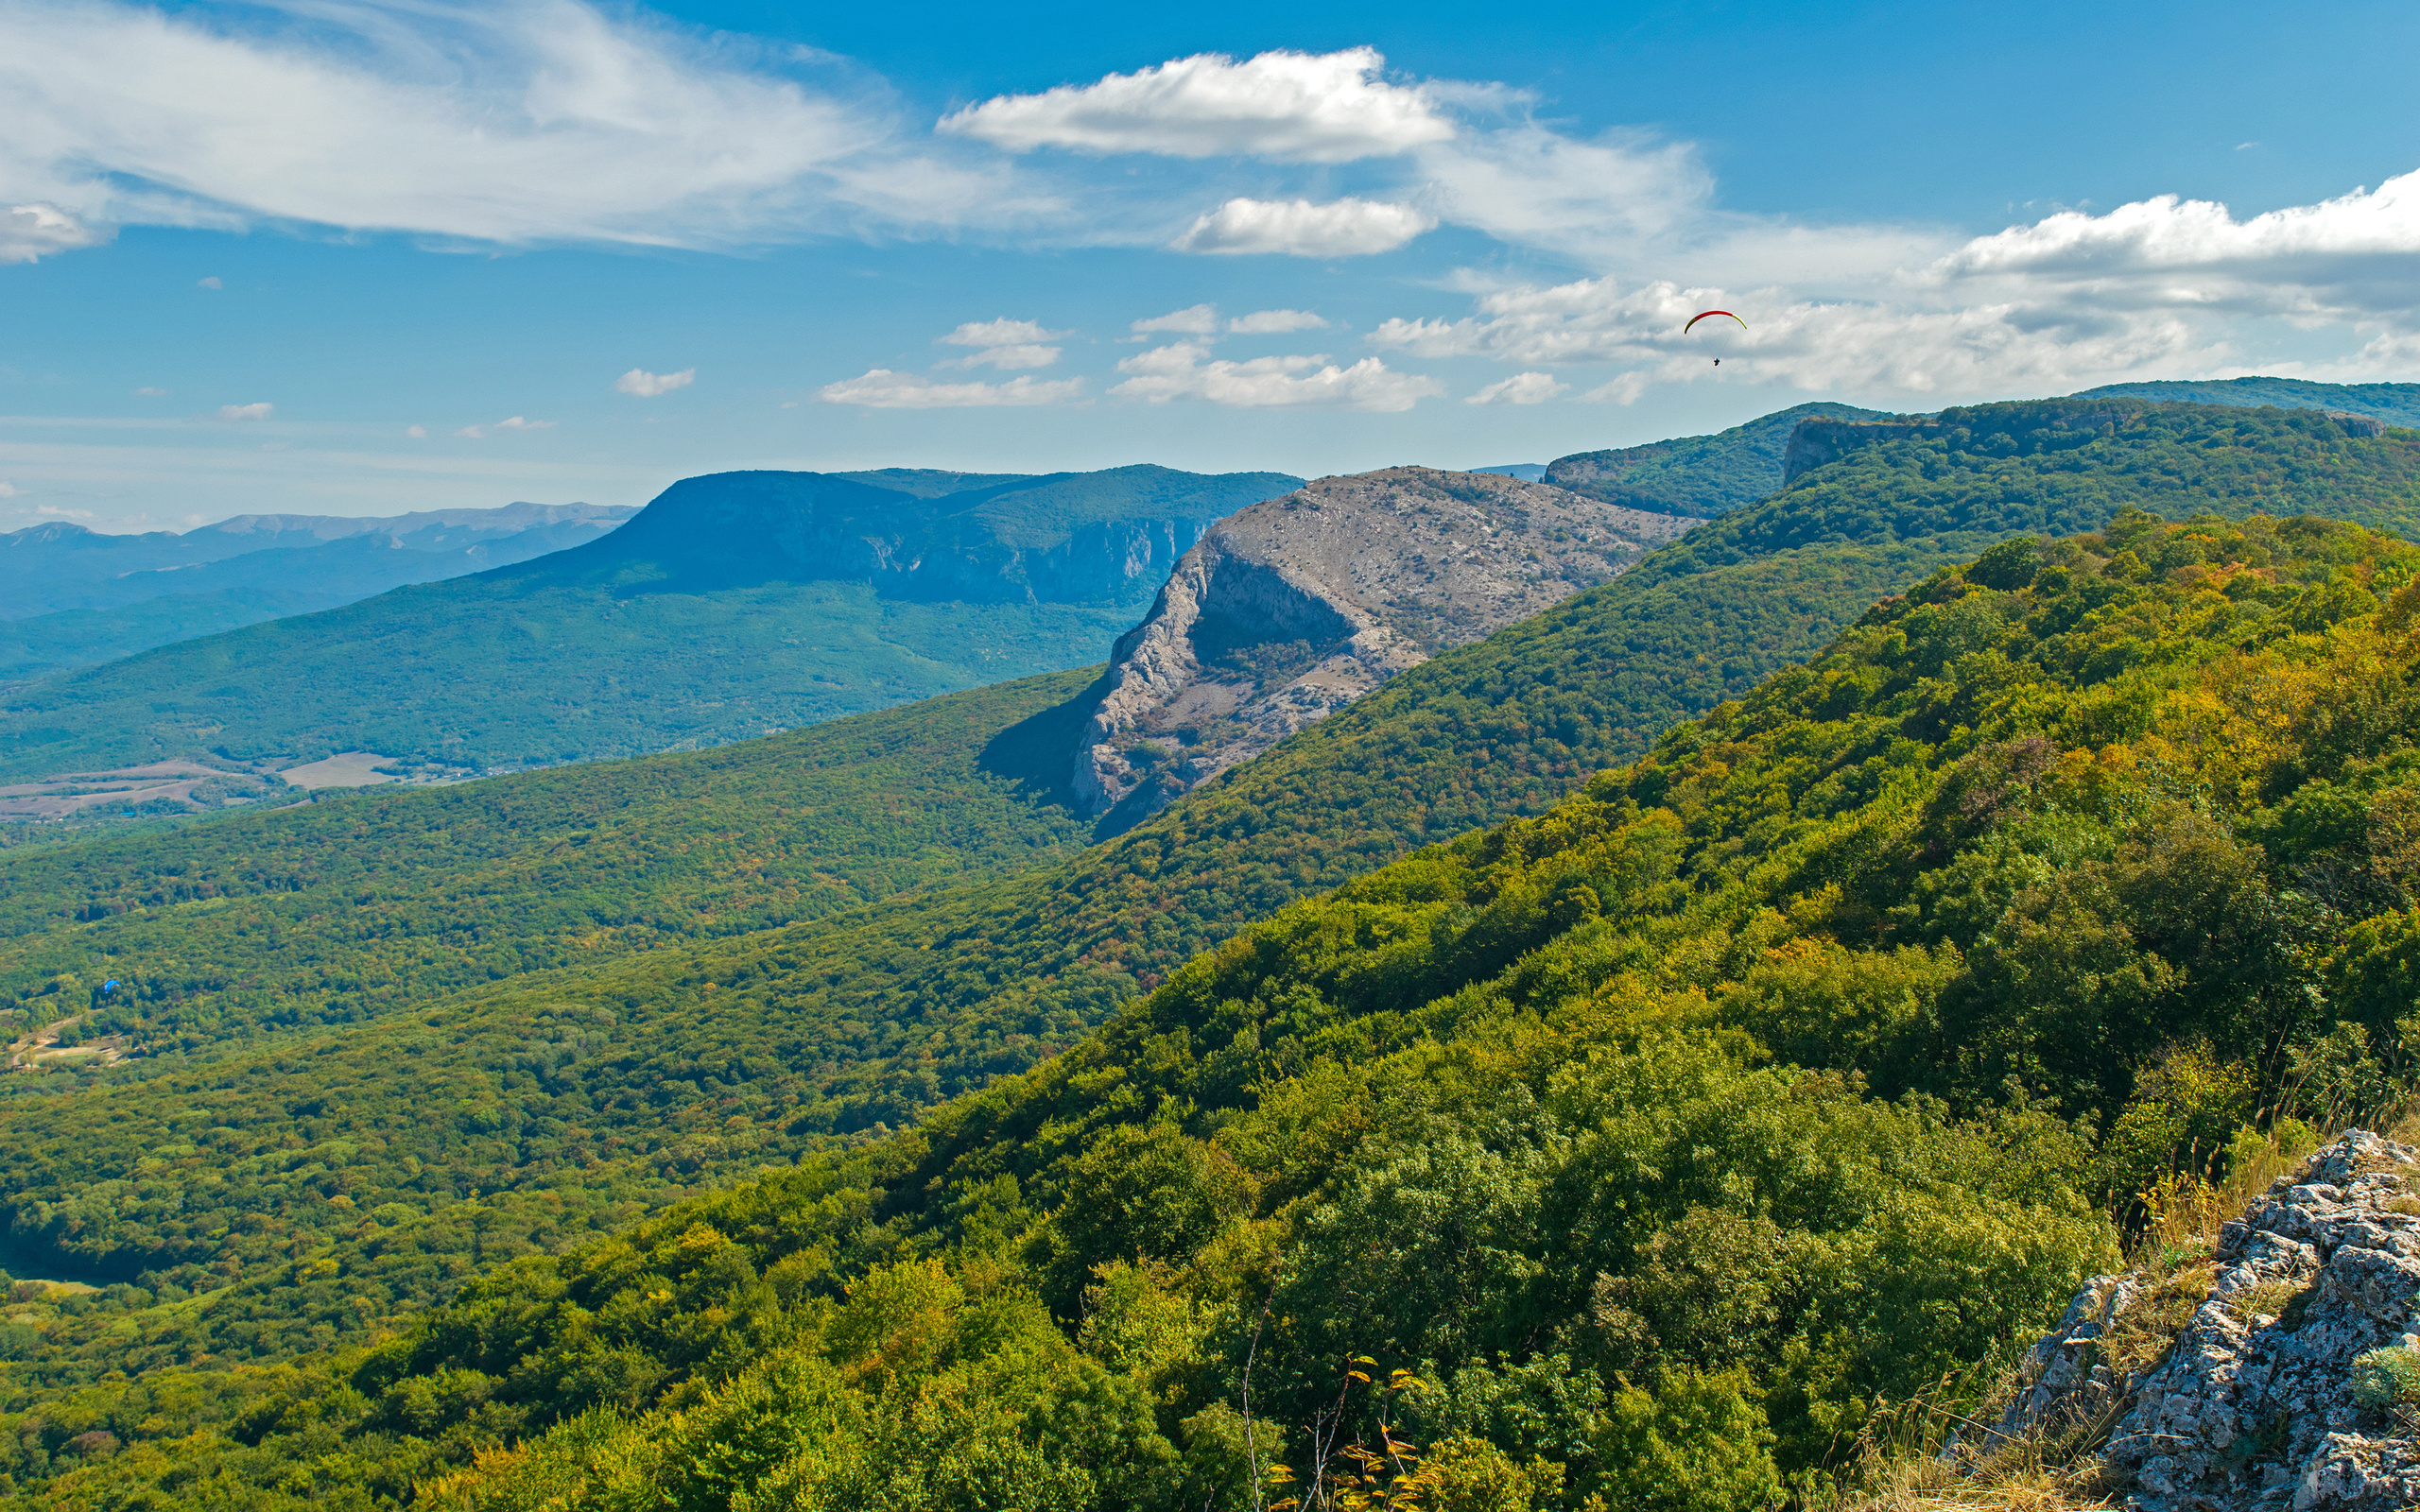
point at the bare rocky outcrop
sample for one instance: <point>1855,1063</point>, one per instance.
<point>2270,1396</point>
<point>1296,606</point>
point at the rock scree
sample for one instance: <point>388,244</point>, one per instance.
<point>1290,610</point>
<point>2295,1382</point>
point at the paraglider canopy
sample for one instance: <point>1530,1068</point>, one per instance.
<point>1703,314</point>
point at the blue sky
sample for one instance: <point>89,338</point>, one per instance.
<point>355,258</point>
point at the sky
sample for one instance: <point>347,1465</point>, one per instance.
<point>331,257</point>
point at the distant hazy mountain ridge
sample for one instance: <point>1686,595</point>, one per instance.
<point>73,597</point>
<point>732,604</point>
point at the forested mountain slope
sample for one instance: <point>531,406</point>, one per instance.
<point>1699,476</point>
<point>2394,404</point>
<point>1643,1150</point>
<point>732,606</point>
<point>270,925</point>
<point>571,1093</point>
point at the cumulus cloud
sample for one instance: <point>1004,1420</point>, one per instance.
<point>1001,332</point>
<point>2160,287</point>
<point>517,121</point>
<point>1805,343</point>
<point>513,423</point>
<point>881,388</point>
<point>642,384</point>
<point>1183,371</point>
<point>210,283</point>
<point>417,432</point>
<point>1275,322</point>
<point>30,232</point>
<point>153,393</point>
<point>1341,228</point>
<point>1005,345</point>
<point>8,490</point>
<point>2353,255</point>
<point>1521,388</point>
<point>261,411</point>
<point>1007,359</point>
<point>1193,321</point>
<point>1289,106</point>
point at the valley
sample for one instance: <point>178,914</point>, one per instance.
<point>607,1093</point>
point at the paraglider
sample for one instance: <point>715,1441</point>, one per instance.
<point>1704,313</point>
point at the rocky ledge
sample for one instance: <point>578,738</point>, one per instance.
<point>1296,606</point>
<point>2294,1381</point>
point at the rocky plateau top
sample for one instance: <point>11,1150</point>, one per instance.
<point>1297,606</point>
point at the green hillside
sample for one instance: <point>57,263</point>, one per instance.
<point>1637,1154</point>
<point>1701,475</point>
<point>2394,404</point>
<point>732,605</point>
<point>286,922</point>
<point>575,1090</point>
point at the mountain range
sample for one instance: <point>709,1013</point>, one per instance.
<point>732,604</point>
<point>73,597</point>
<point>1674,1030</point>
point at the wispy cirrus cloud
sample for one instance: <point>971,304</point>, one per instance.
<point>517,122</point>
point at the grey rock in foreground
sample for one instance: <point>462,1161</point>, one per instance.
<point>2253,1407</point>
<point>1296,606</point>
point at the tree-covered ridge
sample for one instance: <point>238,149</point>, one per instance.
<point>822,1030</point>
<point>1700,475</point>
<point>2394,404</point>
<point>1661,1139</point>
<point>360,904</point>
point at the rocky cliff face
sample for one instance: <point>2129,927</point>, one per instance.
<point>1294,607</point>
<point>2294,1381</point>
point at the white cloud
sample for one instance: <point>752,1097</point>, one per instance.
<point>516,121</point>
<point>2355,255</point>
<point>246,411</point>
<point>513,423</point>
<point>29,232</point>
<point>1007,359</point>
<point>1625,390</point>
<point>1001,332</point>
<point>881,388</point>
<point>210,283</point>
<point>646,385</point>
<point>1007,345</point>
<point>1275,322</point>
<point>1521,388</point>
<point>8,490</point>
<point>1193,321</point>
<point>1296,107</point>
<point>1179,371</point>
<point>1621,194</point>
<point>1807,344</point>
<point>417,433</point>
<point>1341,228</point>
<point>153,393</point>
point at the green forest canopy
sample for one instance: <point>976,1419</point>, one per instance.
<point>1643,1148</point>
